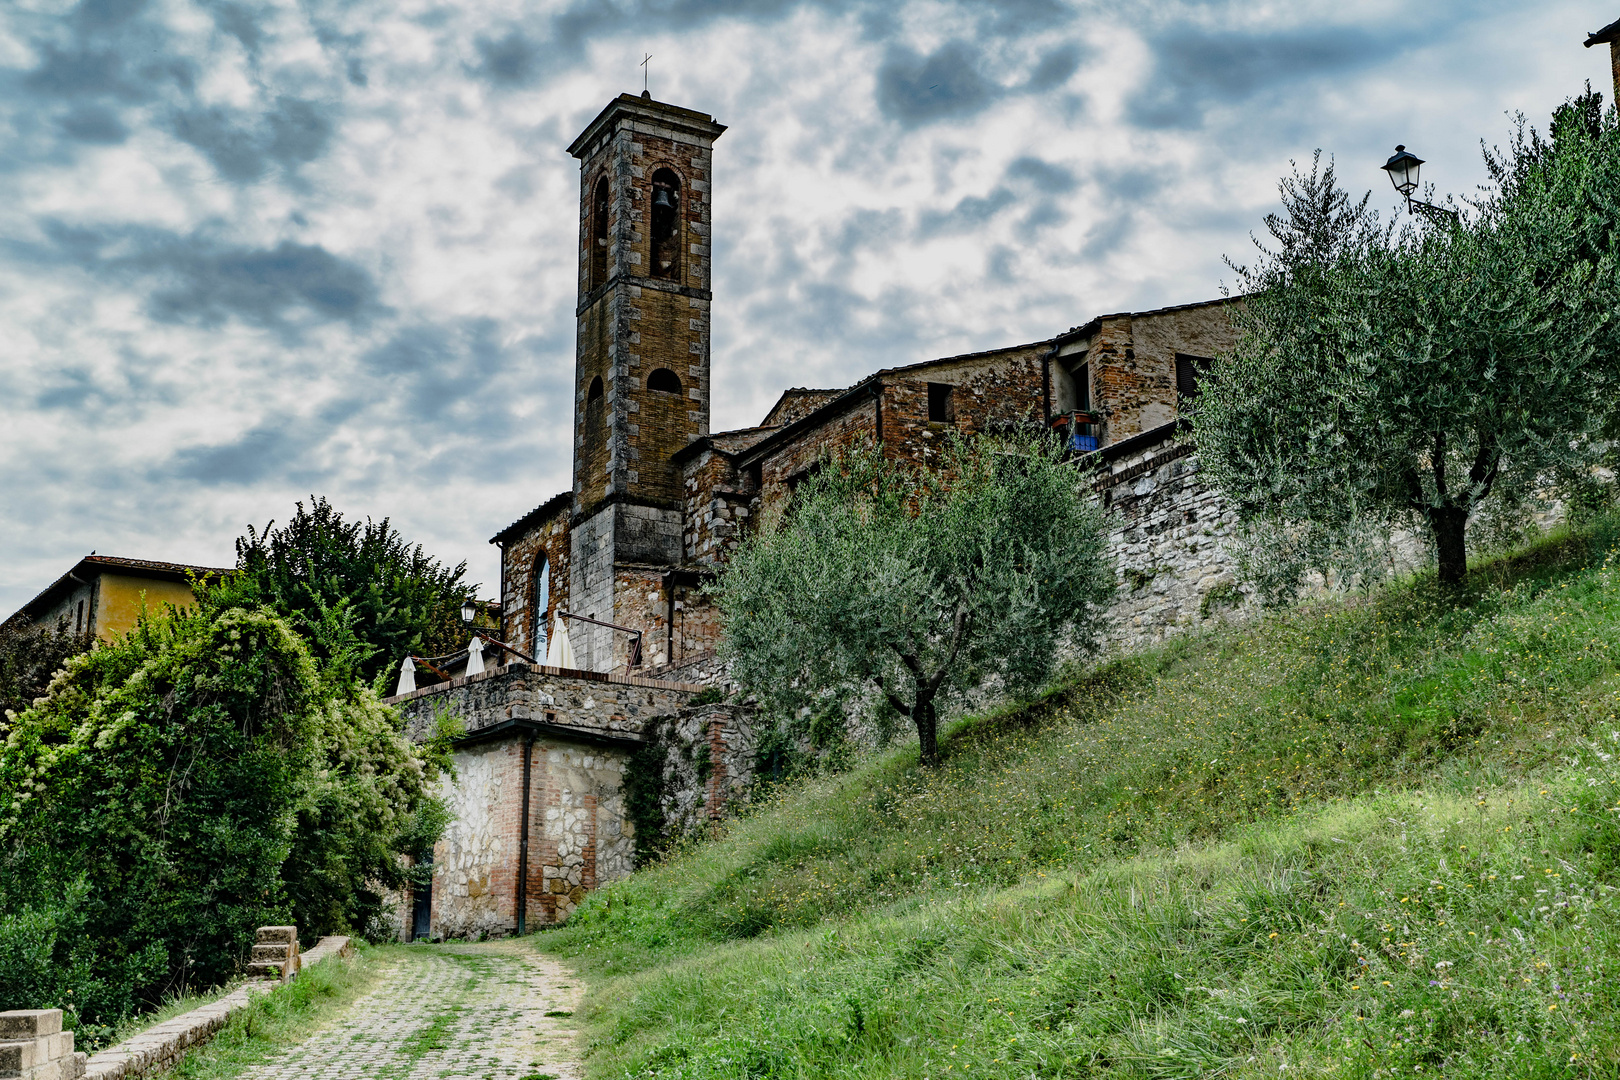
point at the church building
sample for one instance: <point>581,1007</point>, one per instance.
<point>658,499</point>
<point>539,813</point>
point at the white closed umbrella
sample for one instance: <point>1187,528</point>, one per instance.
<point>561,651</point>
<point>407,677</point>
<point>475,656</point>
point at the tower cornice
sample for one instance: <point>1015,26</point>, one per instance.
<point>645,109</point>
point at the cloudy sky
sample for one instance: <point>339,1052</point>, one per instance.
<point>254,249</point>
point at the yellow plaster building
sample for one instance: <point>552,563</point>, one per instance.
<point>103,595</point>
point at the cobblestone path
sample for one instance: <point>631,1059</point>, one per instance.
<point>448,1012</point>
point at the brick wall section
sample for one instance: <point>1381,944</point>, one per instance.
<point>635,322</point>
<point>547,535</point>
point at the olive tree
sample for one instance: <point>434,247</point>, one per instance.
<point>917,582</point>
<point>1388,376</point>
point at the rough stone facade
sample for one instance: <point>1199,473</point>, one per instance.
<point>587,700</point>
<point>536,555</point>
<point>577,730</point>
<point>1167,537</point>
<point>707,764</point>
<point>644,297</point>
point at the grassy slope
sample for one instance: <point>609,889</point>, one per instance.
<point>1354,838</point>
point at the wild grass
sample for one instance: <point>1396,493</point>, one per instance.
<point>1316,841</point>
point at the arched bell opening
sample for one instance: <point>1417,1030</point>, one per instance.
<point>666,225</point>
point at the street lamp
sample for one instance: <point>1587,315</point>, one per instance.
<point>1403,166</point>
<point>469,612</point>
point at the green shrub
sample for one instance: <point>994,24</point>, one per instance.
<point>180,787</point>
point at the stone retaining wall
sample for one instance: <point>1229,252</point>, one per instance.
<point>160,1047</point>
<point>613,704</point>
<point>1167,535</point>
<point>707,764</point>
<point>33,1046</point>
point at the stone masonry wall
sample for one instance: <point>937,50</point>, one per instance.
<point>519,558</point>
<point>718,505</point>
<point>1167,533</point>
<point>474,864</point>
<point>581,838</point>
<point>708,765</point>
<point>591,589</point>
<point>636,322</point>
<point>612,704</point>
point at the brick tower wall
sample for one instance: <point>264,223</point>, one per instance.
<point>631,321</point>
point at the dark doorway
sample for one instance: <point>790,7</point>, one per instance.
<point>422,903</point>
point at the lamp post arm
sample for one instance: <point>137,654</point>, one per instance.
<point>1432,212</point>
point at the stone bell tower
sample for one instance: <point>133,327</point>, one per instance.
<point>641,361</point>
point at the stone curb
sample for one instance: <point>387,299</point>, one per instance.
<point>161,1046</point>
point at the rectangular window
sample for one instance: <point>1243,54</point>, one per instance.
<point>1082,387</point>
<point>939,403</point>
<point>1190,374</point>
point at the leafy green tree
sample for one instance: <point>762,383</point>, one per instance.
<point>174,789</point>
<point>920,583</point>
<point>353,582</point>
<point>1391,376</point>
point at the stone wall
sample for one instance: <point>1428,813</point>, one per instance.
<point>580,838</point>
<point>579,730</point>
<point>475,862</point>
<point>543,534</point>
<point>609,704</point>
<point>707,765</point>
<point>591,591</point>
<point>1167,533</point>
<point>578,835</point>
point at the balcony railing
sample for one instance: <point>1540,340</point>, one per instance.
<point>1082,432</point>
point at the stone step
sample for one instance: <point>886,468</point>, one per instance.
<point>277,953</point>
<point>27,1023</point>
<point>277,935</point>
<point>33,1046</point>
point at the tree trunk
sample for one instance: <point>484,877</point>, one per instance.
<point>1449,523</point>
<point>922,714</point>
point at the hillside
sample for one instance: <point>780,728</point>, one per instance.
<point>1356,839</point>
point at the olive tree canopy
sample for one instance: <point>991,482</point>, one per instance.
<point>917,582</point>
<point>1390,376</point>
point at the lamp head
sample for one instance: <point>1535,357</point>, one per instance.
<point>469,612</point>
<point>1403,170</point>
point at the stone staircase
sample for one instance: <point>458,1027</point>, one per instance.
<point>275,953</point>
<point>33,1046</point>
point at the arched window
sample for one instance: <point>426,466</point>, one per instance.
<point>593,403</point>
<point>664,381</point>
<point>599,233</point>
<point>541,601</point>
<point>666,225</point>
